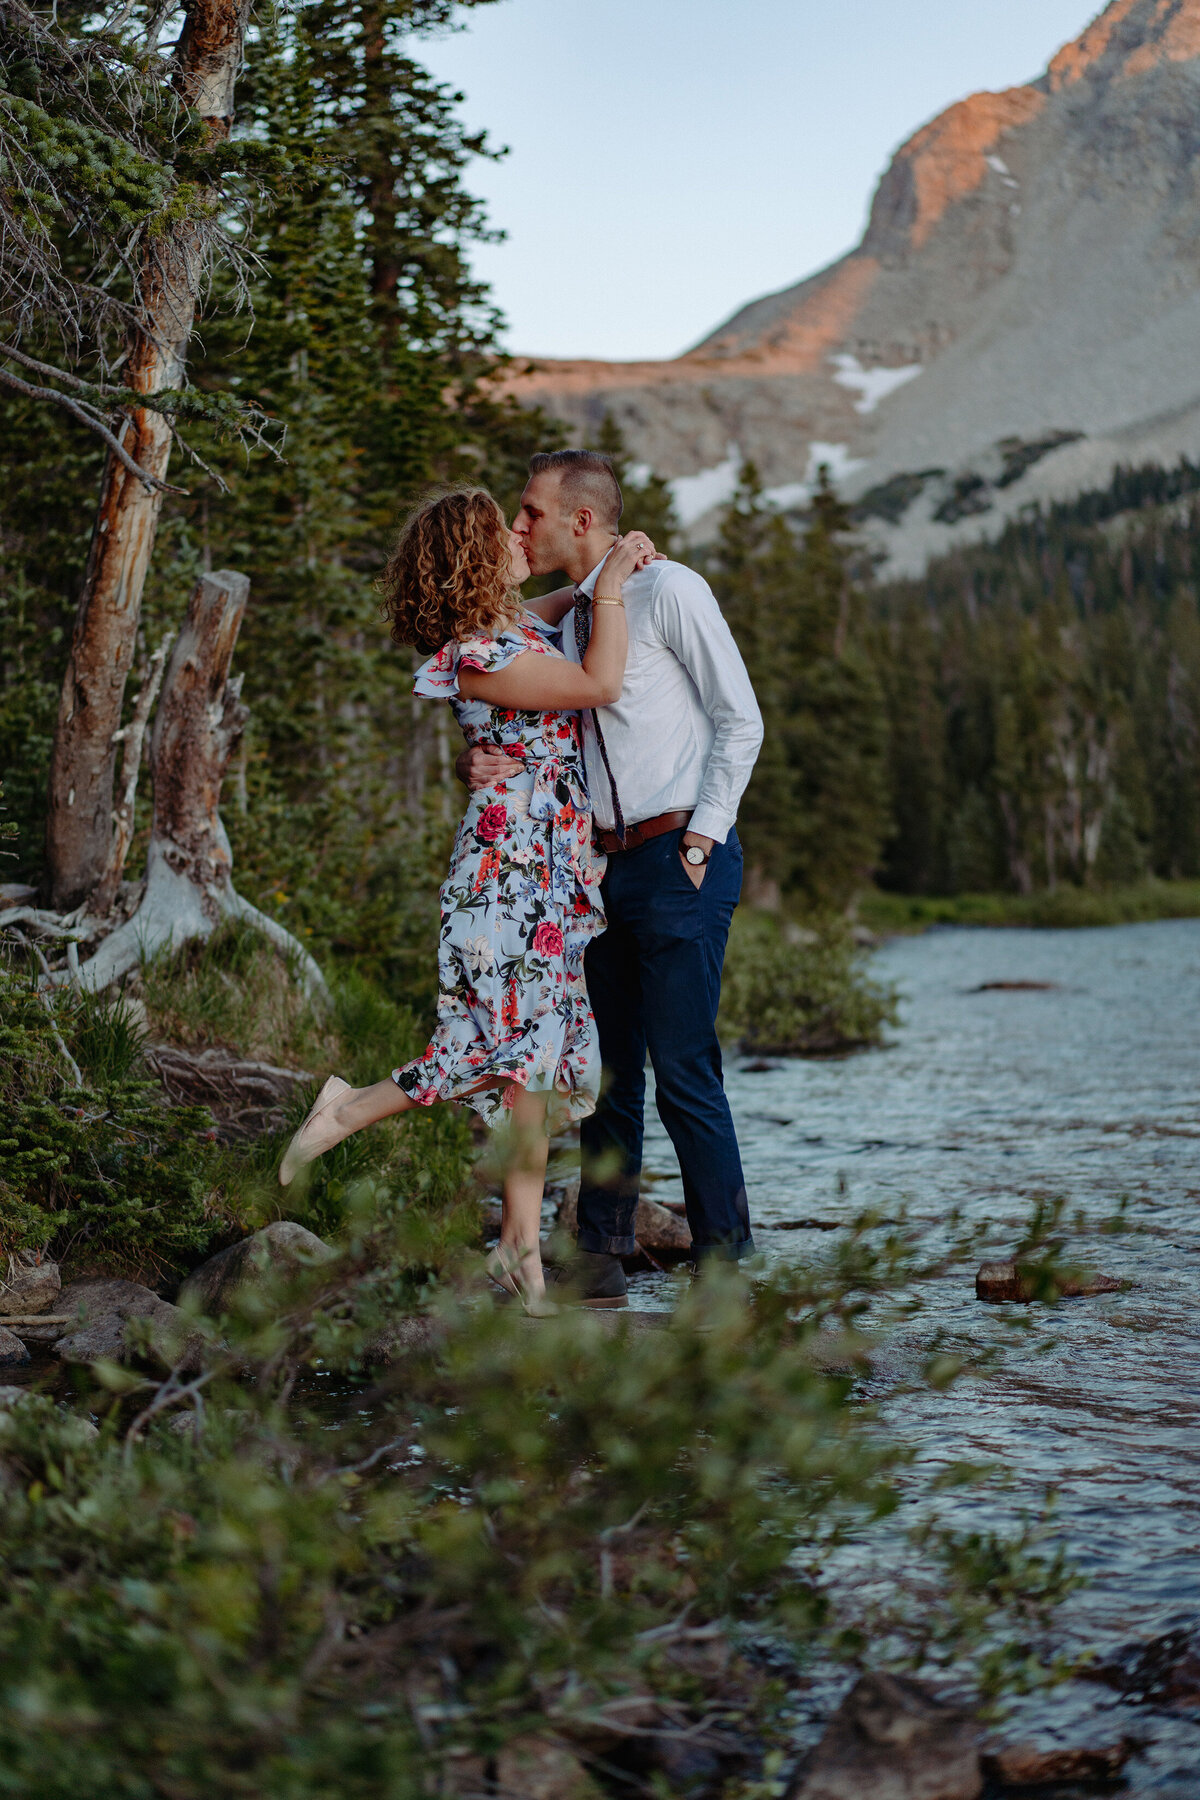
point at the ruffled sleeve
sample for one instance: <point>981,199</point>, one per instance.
<point>437,679</point>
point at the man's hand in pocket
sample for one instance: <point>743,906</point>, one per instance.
<point>695,872</point>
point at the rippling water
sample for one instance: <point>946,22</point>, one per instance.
<point>983,1101</point>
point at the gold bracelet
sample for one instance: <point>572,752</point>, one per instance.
<point>601,600</point>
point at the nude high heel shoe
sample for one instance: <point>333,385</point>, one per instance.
<point>319,1132</point>
<point>505,1271</point>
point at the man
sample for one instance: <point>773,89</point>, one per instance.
<point>667,766</point>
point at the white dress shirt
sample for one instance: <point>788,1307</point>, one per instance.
<point>686,730</point>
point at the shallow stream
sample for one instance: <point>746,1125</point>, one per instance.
<point>986,1099</point>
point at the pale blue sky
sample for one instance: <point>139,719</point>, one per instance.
<point>671,159</point>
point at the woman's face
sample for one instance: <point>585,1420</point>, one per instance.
<point>518,565</point>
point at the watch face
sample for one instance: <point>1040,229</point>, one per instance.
<point>694,854</point>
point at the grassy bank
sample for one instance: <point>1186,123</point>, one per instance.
<point>103,1174</point>
<point>1064,908</point>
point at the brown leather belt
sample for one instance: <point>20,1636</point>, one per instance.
<point>641,833</point>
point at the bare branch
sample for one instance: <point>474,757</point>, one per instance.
<point>86,417</point>
<point>41,368</point>
<point>133,737</point>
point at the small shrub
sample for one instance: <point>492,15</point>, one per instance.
<point>103,1174</point>
<point>811,997</point>
<point>514,1529</point>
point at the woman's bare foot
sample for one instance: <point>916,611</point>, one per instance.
<point>319,1132</point>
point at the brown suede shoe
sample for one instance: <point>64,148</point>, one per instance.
<point>589,1278</point>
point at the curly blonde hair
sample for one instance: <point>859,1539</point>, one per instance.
<point>448,577</point>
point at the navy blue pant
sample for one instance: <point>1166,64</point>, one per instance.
<point>654,979</point>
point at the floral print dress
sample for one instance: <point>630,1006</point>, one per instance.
<point>519,906</point>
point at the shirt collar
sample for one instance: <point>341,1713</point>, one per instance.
<point>588,585</point>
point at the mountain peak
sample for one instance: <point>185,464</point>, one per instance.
<point>1020,318</point>
<point>1129,37</point>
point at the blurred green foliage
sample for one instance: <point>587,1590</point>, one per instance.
<point>516,1528</point>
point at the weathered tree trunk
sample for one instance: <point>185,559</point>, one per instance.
<point>84,758</point>
<point>199,724</point>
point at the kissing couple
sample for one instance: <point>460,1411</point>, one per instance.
<point>611,729</point>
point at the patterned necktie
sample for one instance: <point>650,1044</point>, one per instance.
<point>583,635</point>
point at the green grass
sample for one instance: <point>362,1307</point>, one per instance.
<point>235,990</point>
<point>1065,908</point>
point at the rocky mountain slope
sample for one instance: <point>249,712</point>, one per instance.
<point>1022,314</point>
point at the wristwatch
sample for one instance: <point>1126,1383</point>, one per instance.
<point>695,855</point>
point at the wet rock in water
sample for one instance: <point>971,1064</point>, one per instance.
<point>663,1234</point>
<point>1000,1281</point>
<point>83,1302</point>
<point>1016,987</point>
<point>282,1249</point>
<point>30,1285</point>
<point>1165,1671</point>
<point>122,1321</point>
<point>1032,1766</point>
<point>12,1350</point>
<point>413,1335</point>
<point>75,1429</point>
<point>893,1738</point>
<point>536,1768</point>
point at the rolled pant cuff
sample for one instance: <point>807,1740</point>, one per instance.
<point>600,1245</point>
<point>724,1252</point>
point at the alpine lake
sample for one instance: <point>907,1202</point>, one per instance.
<point>1027,1064</point>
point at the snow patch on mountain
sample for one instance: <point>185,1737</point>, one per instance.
<point>872,385</point>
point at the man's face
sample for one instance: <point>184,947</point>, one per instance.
<point>542,526</point>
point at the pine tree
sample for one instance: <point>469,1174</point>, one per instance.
<point>753,570</point>
<point>837,731</point>
<point>649,504</point>
<point>815,813</point>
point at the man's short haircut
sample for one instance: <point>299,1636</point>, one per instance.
<point>587,479</point>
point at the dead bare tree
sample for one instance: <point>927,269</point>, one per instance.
<point>189,868</point>
<point>132,738</point>
<point>80,823</point>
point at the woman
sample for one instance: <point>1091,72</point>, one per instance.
<point>522,898</point>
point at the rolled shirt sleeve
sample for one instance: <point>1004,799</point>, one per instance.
<point>690,622</point>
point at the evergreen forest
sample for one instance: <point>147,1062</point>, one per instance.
<point>1023,718</point>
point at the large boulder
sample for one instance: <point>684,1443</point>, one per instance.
<point>12,1350</point>
<point>124,1322</point>
<point>893,1738</point>
<point>30,1285</point>
<point>663,1234</point>
<point>279,1251</point>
